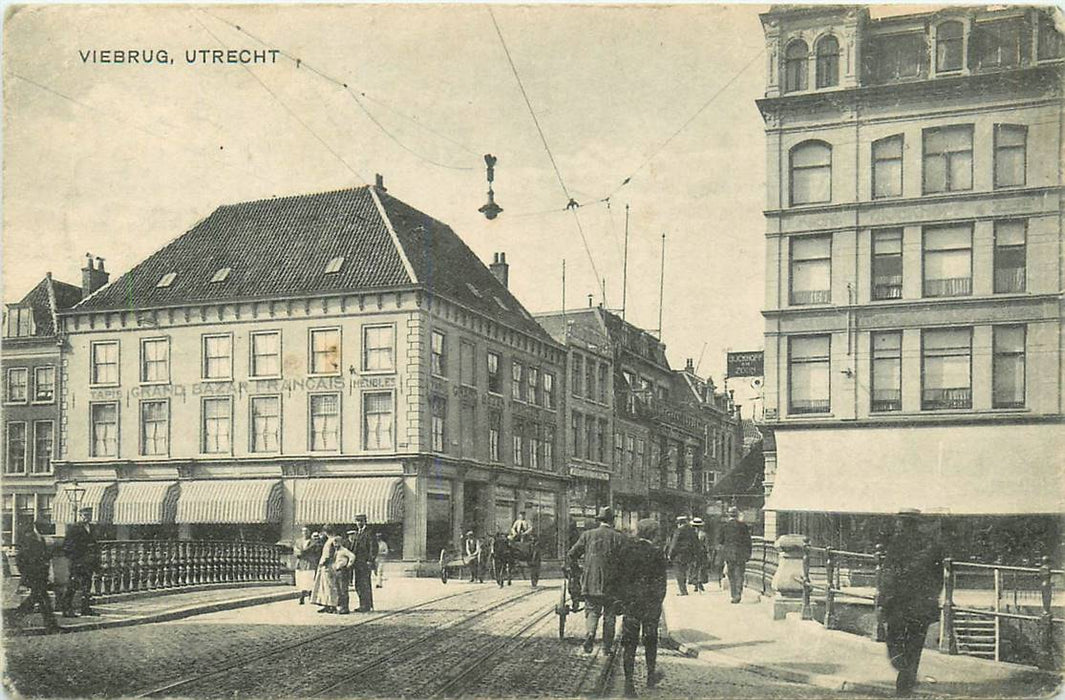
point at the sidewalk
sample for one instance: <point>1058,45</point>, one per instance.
<point>158,606</point>
<point>745,636</point>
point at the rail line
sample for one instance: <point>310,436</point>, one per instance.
<point>168,689</point>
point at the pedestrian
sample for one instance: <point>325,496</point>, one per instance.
<point>343,560</point>
<point>700,562</point>
<point>911,583</point>
<point>326,594</point>
<point>735,540</point>
<point>643,588</point>
<point>600,548</point>
<point>83,552</point>
<point>308,550</point>
<point>364,546</point>
<point>471,547</point>
<point>34,558</point>
<point>379,561</point>
<point>682,551</point>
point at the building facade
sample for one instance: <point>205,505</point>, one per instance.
<point>913,315</point>
<point>300,360</point>
<point>32,370</point>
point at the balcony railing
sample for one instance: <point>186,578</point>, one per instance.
<point>934,399</point>
<point>887,400</point>
<point>814,296</point>
<point>887,287</point>
<point>142,565</point>
<point>950,287</point>
<point>809,406</point>
<point>1010,279</point>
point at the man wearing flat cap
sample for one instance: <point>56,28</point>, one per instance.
<point>600,548</point>
<point>83,553</point>
<point>682,552</point>
<point>364,546</point>
<point>913,577</point>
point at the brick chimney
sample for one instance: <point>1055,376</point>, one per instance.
<point>92,277</point>
<point>689,366</point>
<point>379,182</point>
<point>500,268</point>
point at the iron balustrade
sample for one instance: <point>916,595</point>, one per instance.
<point>128,566</point>
<point>762,565</point>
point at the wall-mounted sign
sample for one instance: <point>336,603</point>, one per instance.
<point>746,364</point>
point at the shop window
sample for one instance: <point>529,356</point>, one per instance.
<point>827,62</point>
<point>1010,257</point>
<point>887,264</point>
<point>948,159</point>
<point>950,46</point>
<point>378,349</point>
<point>886,390</point>
<point>809,380</point>
<point>887,167</point>
<point>795,68</point>
<point>948,261</point>
<point>1008,367</point>
<point>1011,154</point>
<point>811,173</point>
<point>811,270</point>
<point>946,368</point>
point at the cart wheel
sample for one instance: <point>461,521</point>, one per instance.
<point>443,574</point>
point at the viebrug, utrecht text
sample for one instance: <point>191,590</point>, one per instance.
<point>192,56</point>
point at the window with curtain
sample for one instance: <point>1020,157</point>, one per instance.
<point>325,351</point>
<point>549,390</point>
<point>795,68</point>
<point>155,427</point>
<point>217,425</point>
<point>495,428</point>
<point>217,357</point>
<point>1008,367</point>
<point>1011,154</point>
<point>886,390</point>
<point>377,422</point>
<point>18,385</point>
<point>950,46</point>
<point>887,264</point>
<point>43,446</point>
<point>104,420</point>
<point>265,424</point>
<point>827,62</point>
<point>517,383</point>
<point>1010,257</point>
<point>155,360</point>
<point>808,374</point>
<point>532,381</point>
<point>811,270</point>
<point>437,354</point>
<point>378,348</point>
<point>948,253</point>
<point>811,173</point>
<point>16,448</point>
<point>266,354</point>
<point>946,368</point>
<point>104,363</point>
<point>887,167</point>
<point>948,159</point>
<point>495,376</point>
<point>43,384</point>
<point>325,422</point>
<point>438,423</point>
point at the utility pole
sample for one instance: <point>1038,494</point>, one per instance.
<point>625,265</point>
<point>661,285</point>
<point>563,288</point>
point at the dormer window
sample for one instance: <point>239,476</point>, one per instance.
<point>500,303</point>
<point>1050,43</point>
<point>334,265</point>
<point>221,275</point>
<point>897,57</point>
<point>950,46</point>
<point>1000,44</point>
<point>474,291</point>
<point>19,321</point>
<point>795,57</point>
<point>828,62</point>
<point>166,280</point>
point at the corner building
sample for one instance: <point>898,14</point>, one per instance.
<point>914,273</point>
<point>303,359</point>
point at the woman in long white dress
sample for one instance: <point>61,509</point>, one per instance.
<point>307,551</point>
<point>326,594</point>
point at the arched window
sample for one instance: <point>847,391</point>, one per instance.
<point>811,172</point>
<point>950,46</point>
<point>828,62</point>
<point>795,66</point>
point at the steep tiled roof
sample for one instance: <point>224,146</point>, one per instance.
<point>636,340</point>
<point>66,295</point>
<point>743,479</point>
<point>277,248</point>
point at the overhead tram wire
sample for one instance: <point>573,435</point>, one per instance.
<point>354,95</point>
<point>291,111</point>
<point>571,204</point>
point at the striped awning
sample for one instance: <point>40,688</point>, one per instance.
<point>380,498</point>
<point>99,495</point>
<point>146,502</point>
<point>230,501</point>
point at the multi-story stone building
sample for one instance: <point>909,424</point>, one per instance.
<point>914,272</point>
<point>300,360</point>
<point>32,364</point>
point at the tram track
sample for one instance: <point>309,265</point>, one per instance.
<point>175,688</point>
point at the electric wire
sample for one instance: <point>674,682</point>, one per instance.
<point>290,111</point>
<point>355,96</point>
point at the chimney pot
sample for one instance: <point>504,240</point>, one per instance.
<point>379,182</point>
<point>500,268</point>
<point>99,263</point>
<point>92,277</point>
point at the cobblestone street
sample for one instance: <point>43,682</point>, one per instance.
<point>462,640</point>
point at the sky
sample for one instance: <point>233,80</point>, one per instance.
<point>118,159</point>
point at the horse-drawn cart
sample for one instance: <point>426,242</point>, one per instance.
<point>450,563</point>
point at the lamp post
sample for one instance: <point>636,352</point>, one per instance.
<point>75,494</point>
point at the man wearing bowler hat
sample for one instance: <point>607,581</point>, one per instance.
<point>735,540</point>
<point>83,553</point>
<point>364,546</point>
<point>600,548</point>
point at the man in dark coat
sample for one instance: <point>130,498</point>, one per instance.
<point>735,540</point>
<point>364,546</point>
<point>83,553</point>
<point>643,587</point>
<point>682,552</point>
<point>698,573</point>
<point>913,577</point>
<point>34,558</point>
<point>599,576</point>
